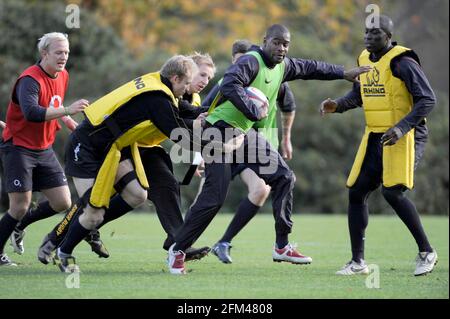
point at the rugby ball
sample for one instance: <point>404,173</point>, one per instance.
<point>257,97</point>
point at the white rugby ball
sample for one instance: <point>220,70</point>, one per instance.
<point>257,97</point>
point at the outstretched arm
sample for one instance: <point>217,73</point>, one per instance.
<point>319,70</point>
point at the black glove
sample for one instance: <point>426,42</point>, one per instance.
<point>391,136</point>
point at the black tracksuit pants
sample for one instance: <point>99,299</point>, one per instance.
<point>164,190</point>
<point>268,165</point>
<point>369,179</point>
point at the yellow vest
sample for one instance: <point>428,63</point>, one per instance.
<point>145,132</point>
<point>196,99</point>
<point>386,100</point>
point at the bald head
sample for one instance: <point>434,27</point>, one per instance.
<point>276,30</point>
<point>387,25</point>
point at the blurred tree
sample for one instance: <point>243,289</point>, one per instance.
<point>93,63</point>
<point>121,39</point>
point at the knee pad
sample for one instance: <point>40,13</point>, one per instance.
<point>123,182</point>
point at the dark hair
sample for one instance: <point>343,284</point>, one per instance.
<point>240,46</point>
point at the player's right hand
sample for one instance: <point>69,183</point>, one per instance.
<point>327,106</point>
<point>78,106</point>
<point>353,74</point>
<point>2,125</point>
<point>263,111</point>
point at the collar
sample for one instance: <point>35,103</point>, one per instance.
<point>40,66</point>
<point>373,58</point>
<point>264,56</point>
<point>166,82</point>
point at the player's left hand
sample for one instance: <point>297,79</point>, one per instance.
<point>391,136</point>
<point>200,169</point>
<point>2,125</point>
<point>70,122</point>
<point>286,148</point>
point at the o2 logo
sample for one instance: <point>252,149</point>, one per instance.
<point>55,102</point>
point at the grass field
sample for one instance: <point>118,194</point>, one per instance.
<point>137,269</point>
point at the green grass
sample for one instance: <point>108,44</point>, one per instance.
<point>137,269</point>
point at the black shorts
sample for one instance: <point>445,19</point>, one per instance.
<point>82,160</point>
<point>30,170</point>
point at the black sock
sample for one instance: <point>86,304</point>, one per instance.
<point>407,212</point>
<point>245,212</point>
<point>117,208</point>
<point>33,215</point>
<point>75,235</point>
<point>282,240</point>
<point>358,218</point>
<point>7,225</point>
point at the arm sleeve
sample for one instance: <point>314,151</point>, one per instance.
<point>285,99</point>
<point>351,100</point>
<point>188,111</point>
<point>166,116</point>
<point>311,70</point>
<point>237,77</point>
<point>211,95</point>
<point>410,72</point>
<point>27,93</point>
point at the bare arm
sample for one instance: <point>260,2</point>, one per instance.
<point>74,108</point>
<point>287,119</point>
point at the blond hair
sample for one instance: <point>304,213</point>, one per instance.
<point>203,58</point>
<point>179,65</point>
<point>45,41</point>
